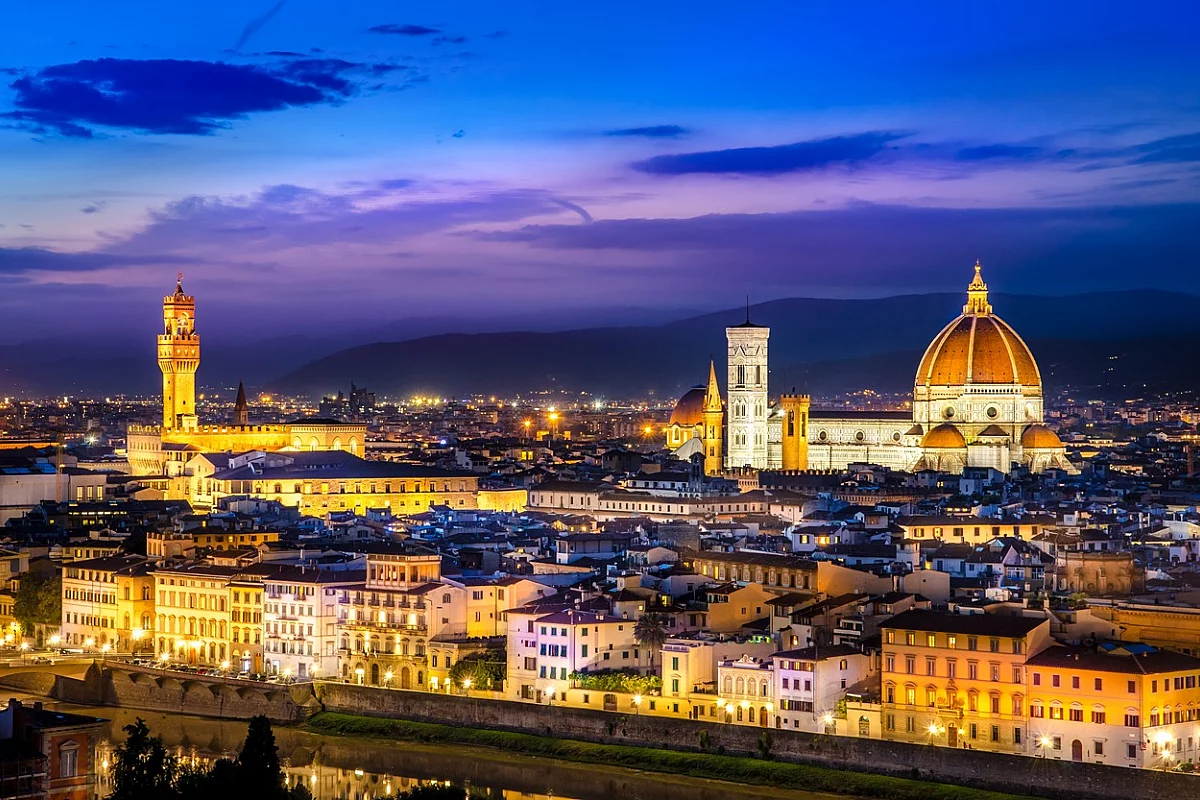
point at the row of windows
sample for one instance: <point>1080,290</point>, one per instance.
<point>952,641</point>
<point>951,671</point>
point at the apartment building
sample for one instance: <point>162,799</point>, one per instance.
<point>108,602</point>
<point>300,615</point>
<point>1122,704</point>
<point>385,623</point>
<point>959,679</point>
<point>809,683</point>
<point>193,609</point>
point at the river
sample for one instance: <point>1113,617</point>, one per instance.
<point>356,768</point>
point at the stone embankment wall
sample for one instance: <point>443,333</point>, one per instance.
<point>1062,780</point>
<point>161,690</point>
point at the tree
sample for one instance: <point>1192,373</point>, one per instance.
<point>487,670</point>
<point>258,763</point>
<point>650,632</point>
<point>38,600</point>
<point>142,768</point>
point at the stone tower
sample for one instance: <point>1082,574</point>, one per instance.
<point>178,358</point>
<point>795,431</point>
<point>241,412</point>
<point>746,410</point>
<point>714,424</point>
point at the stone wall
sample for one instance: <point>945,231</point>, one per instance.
<point>1061,780</point>
<point>161,690</point>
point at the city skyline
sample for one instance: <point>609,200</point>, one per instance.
<point>384,165</point>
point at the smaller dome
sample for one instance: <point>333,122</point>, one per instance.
<point>689,410</point>
<point>1039,437</point>
<point>945,437</point>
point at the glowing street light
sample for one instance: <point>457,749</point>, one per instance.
<point>387,677</point>
<point>468,683</point>
<point>55,639</point>
<point>637,704</point>
<point>1044,743</point>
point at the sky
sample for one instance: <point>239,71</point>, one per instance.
<point>316,164</point>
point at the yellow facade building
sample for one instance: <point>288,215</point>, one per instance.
<point>193,609</point>
<point>1125,705</point>
<point>318,483</point>
<point>108,603</point>
<point>958,680</point>
<point>163,449</point>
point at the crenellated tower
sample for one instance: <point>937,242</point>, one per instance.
<point>714,424</point>
<point>795,431</point>
<point>178,358</point>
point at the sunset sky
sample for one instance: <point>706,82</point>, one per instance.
<point>387,160</point>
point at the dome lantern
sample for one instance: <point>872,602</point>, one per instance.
<point>977,295</point>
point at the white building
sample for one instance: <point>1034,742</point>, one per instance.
<point>809,682</point>
<point>746,408</point>
<point>545,648</point>
<point>300,615</point>
<point>746,690</point>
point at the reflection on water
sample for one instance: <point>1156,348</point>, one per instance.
<point>356,768</point>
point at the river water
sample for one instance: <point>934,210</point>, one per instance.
<point>356,768</point>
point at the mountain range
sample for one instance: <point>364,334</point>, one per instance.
<point>1117,344</point>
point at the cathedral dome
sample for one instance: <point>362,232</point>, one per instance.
<point>689,410</point>
<point>944,437</point>
<point>1039,437</point>
<point>978,348</point>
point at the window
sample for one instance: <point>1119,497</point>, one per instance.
<point>1074,681</point>
<point>1055,681</point>
<point>931,666</point>
<point>1131,750</point>
<point>68,760</point>
<point>1099,716</point>
<point>972,643</point>
<point>1076,715</point>
<point>1056,712</point>
<point>951,641</point>
<point>1037,679</point>
<point>995,645</point>
<point>1132,721</point>
<point>1099,684</point>
<point>931,640</point>
<point>995,733</point>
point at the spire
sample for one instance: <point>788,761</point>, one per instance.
<point>747,309</point>
<point>241,415</point>
<point>712,396</point>
<point>977,295</point>
<point>179,284</point>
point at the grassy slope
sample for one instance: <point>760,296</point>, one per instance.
<point>700,765</point>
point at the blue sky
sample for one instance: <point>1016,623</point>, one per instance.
<point>379,160</point>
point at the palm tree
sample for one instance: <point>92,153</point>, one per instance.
<point>650,632</point>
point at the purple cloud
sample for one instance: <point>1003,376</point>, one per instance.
<point>395,29</point>
<point>651,132</point>
<point>776,160</point>
<point>170,96</point>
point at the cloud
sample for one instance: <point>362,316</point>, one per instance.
<point>651,131</point>
<point>171,96</point>
<point>776,160</point>
<point>892,247</point>
<point>999,151</point>
<point>404,30</point>
<point>256,24</point>
<point>22,260</point>
<point>450,40</point>
<point>94,208</point>
<point>1180,149</point>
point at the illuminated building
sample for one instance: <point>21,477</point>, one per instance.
<point>746,387</point>
<point>109,602</point>
<point>164,449</point>
<point>697,424</point>
<point>300,612</point>
<point>194,621</point>
<point>977,402</point>
<point>959,679</point>
<point>1123,704</point>
<point>321,482</point>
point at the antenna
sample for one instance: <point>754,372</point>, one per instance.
<point>747,309</point>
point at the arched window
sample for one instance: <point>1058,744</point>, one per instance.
<point>741,685</point>
<point>728,685</point>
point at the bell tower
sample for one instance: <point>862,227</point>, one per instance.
<point>795,431</point>
<point>714,424</point>
<point>178,358</point>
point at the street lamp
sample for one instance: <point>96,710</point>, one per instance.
<point>550,695</point>
<point>467,683</point>
<point>359,674</point>
<point>1044,743</point>
<point>55,640</point>
<point>387,677</point>
<point>104,650</point>
<point>637,704</point>
<point>24,650</point>
<point>287,674</point>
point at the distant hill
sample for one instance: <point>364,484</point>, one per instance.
<point>1111,342</point>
